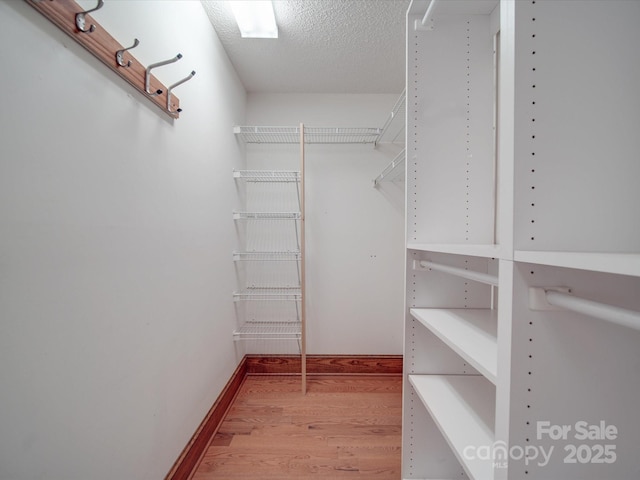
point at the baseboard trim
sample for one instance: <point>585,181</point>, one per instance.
<point>325,364</point>
<point>189,459</point>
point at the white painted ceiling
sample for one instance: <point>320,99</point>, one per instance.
<point>324,46</point>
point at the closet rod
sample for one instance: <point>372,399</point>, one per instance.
<point>602,311</point>
<point>459,272</point>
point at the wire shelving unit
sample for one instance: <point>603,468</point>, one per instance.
<point>327,135</point>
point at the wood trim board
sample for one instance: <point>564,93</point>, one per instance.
<point>325,364</point>
<point>103,46</point>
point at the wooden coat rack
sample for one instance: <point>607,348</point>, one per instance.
<point>79,25</point>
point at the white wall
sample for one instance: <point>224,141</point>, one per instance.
<point>355,238</point>
<point>115,267</point>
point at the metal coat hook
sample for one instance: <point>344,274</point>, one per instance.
<point>80,20</point>
<point>147,74</point>
<point>120,54</point>
<point>180,82</point>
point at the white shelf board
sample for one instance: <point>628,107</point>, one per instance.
<point>269,331</point>
<point>268,293</point>
<point>266,215</point>
<point>463,408</point>
<point>473,250</point>
<point>266,256</point>
<point>267,175</point>
<point>617,263</point>
<point>470,332</point>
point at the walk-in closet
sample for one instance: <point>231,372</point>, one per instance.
<point>378,239</point>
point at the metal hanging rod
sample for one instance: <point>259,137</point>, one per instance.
<point>457,271</point>
<point>561,298</point>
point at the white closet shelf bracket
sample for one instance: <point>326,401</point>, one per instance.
<point>396,116</point>
<point>427,21</point>
<point>459,272</point>
<point>391,171</point>
<point>560,298</point>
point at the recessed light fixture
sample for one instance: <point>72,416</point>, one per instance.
<point>255,18</point>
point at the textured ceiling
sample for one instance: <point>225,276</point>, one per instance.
<point>324,46</point>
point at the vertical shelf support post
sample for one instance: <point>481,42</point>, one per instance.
<point>303,312</point>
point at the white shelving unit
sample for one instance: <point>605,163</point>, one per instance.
<point>269,265</point>
<point>264,322</point>
<point>523,239</point>
<point>453,248</point>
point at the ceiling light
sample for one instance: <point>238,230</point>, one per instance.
<point>255,18</point>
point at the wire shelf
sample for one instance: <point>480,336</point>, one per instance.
<point>266,256</point>
<point>268,293</point>
<point>394,127</point>
<point>392,171</point>
<point>252,134</point>
<point>271,331</point>
<point>266,215</point>
<point>267,175</point>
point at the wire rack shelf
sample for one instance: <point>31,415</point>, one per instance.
<point>266,256</point>
<point>267,175</point>
<point>266,215</point>
<point>268,293</point>
<point>271,331</point>
<point>261,134</point>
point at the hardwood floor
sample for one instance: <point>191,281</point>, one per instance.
<point>344,427</point>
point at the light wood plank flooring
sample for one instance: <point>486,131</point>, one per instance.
<point>344,427</point>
